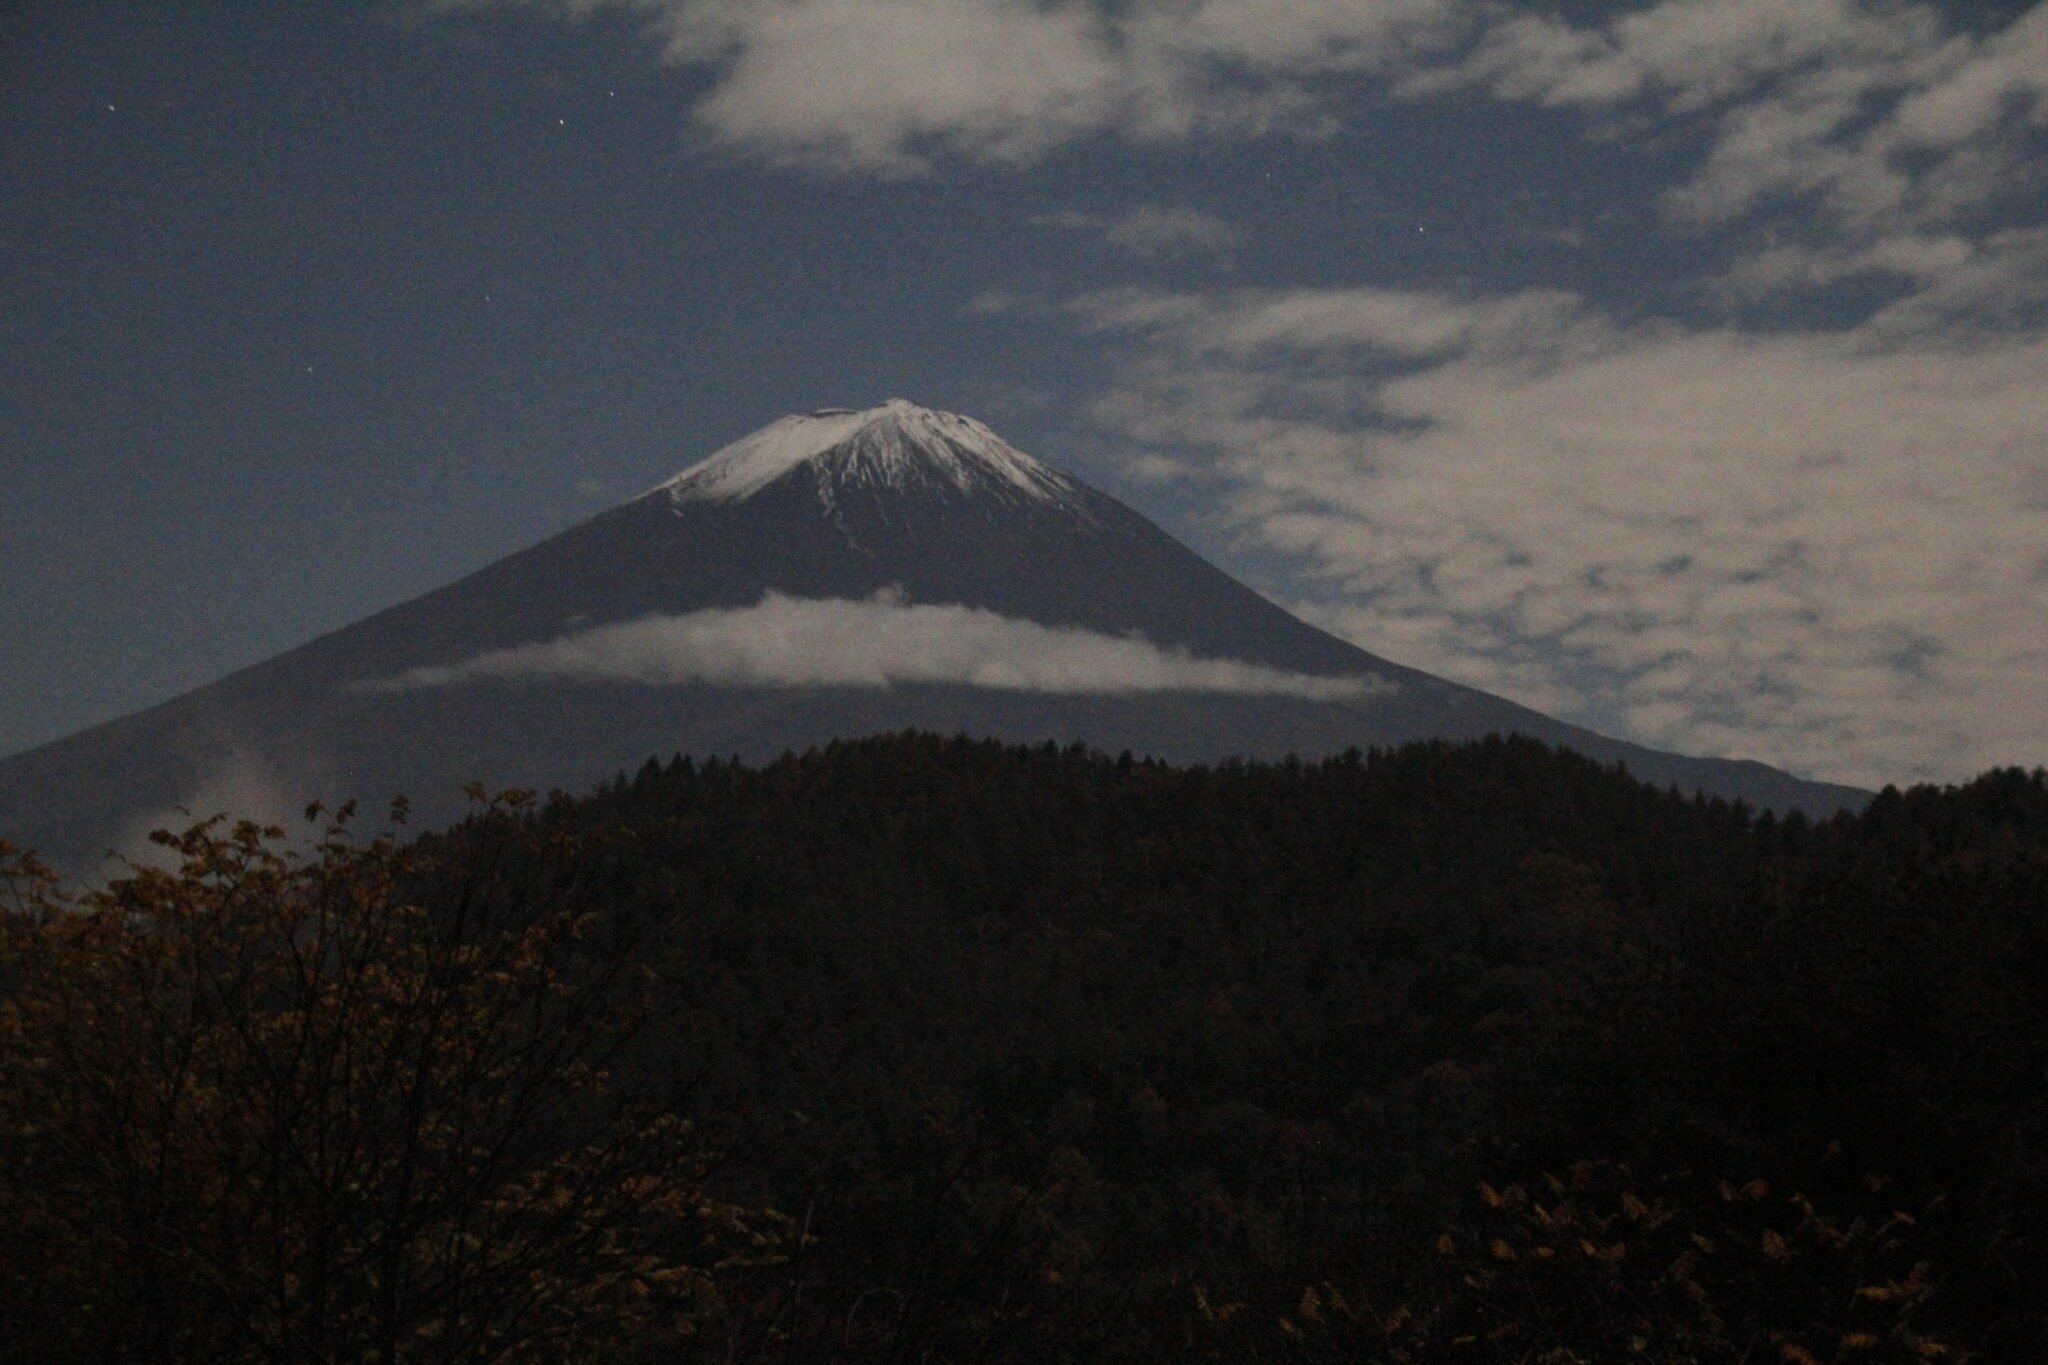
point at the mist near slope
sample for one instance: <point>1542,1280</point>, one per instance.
<point>238,785</point>
<point>875,642</point>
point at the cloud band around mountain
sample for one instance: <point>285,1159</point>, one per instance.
<point>874,642</point>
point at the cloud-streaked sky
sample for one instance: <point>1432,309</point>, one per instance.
<point>1677,367</point>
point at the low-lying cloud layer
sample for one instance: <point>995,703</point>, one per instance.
<point>835,642</point>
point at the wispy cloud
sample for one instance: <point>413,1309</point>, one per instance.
<point>1882,113</point>
<point>896,86</point>
<point>876,642</point>
<point>1154,231</point>
<point>235,782</point>
<point>1819,547</point>
<point>1824,550</point>
<point>1858,121</point>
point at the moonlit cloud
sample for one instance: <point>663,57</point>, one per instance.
<point>1154,231</point>
<point>1852,137</point>
<point>1821,550</point>
<point>809,642</point>
<point>1874,116</point>
<point>1814,539</point>
<point>897,86</point>
<point>1787,87</point>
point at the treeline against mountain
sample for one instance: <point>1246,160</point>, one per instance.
<point>915,1049</point>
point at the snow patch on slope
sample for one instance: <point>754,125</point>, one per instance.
<point>897,445</point>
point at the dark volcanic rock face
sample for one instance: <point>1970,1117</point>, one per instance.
<point>837,505</point>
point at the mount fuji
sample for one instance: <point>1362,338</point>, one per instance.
<point>834,574</point>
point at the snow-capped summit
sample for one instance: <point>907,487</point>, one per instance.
<point>835,574</point>
<point>895,445</point>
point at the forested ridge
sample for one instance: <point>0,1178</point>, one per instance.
<point>917,1049</point>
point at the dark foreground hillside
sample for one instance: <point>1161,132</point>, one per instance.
<point>1477,1053</point>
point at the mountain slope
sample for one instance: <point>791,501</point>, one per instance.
<point>887,512</point>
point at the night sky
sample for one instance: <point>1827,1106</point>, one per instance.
<point>1677,368</point>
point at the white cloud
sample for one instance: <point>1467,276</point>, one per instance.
<point>892,86</point>
<point>1870,113</point>
<point>1822,549</point>
<point>1876,111</point>
<point>1689,55</point>
<point>1792,267</point>
<point>1999,287</point>
<point>876,84</point>
<point>1950,286</point>
<point>1826,551</point>
<point>2003,77</point>
<point>809,642</point>
<point>1154,231</point>
<point>1409,324</point>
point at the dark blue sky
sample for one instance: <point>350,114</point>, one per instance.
<point>1629,369</point>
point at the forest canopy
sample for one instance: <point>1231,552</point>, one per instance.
<point>928,1049</point>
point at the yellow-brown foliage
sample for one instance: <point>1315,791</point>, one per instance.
<point>345,1106</point>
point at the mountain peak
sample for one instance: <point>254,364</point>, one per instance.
<point>895,445</point>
